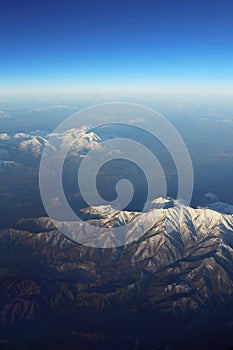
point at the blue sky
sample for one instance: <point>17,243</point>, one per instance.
<point>89,45</point>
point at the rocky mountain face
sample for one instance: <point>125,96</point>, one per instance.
<point>171,289</point>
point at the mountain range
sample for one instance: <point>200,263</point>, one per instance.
<point>173,282</point>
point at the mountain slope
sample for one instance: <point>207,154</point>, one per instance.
<point>182,275</point>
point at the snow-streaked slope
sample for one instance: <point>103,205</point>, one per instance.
<point>32,144</point>
<point>186,268</point>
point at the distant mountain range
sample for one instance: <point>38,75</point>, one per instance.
<point>31,145</point>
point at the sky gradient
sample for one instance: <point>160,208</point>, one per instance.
<point>160,45</point>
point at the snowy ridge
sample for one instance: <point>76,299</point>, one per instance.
<point>176,269</point>
<point>32,144</point>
